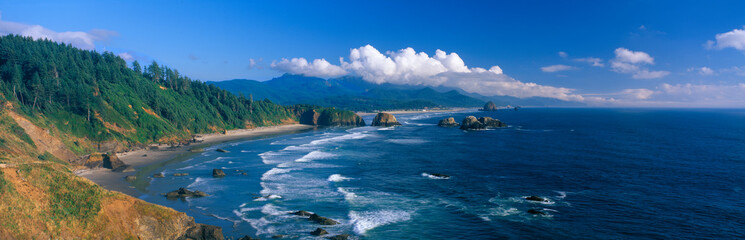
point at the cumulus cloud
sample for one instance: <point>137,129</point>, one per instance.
<point>732,39</point>
<point>316,68</point>
<point>406,66</point>
<point>563,54</point>
<point>255,63</point>
<point>556,68</point>
<point>635,63</point>
<point>82,40</point>
<point>703,71</point>
<point>595,62</point>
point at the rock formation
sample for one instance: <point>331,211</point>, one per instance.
<point>331,117</point>
<point>489,107</point>
<point>302,213</point>
<point>322,220</point>
<point>471,123</point>
<point>130,178</point>
<point>222,150</point>
<point>203,232</point>
<point>534,211</point>
<point>319,232</point>
<point>183,192</point>
<point>218,173</point>
<point>158,175</point>
<point>385,120</point>
<point>340,237</point>
<point>448,122</point>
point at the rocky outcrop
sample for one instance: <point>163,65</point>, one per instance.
<point>385,120</point>
<point>471,123</point>
<point>183,193</point>
<point>310,117</point>
<point>246,237</point>
<point>222,150</point>
<point>489,107</point>
<point>302,213</point>
<point>322,220</point>
<point>218,173</point>
<point>448,122</point>
<point>536,212</point>
<point>340,237</point>
<point>111,161</point>
<point>203,232</point>
<point>319,232</point>
<point>130,178</point>
<point>536,199</point>
<point>180,174</point>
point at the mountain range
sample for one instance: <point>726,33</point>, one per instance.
<point>354,93</point>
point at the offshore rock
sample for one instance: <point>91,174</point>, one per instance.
<point>183,193</point>
<point>322,220</point>
<point>448,122</point>
<point>319,232</point>
<point>385,120</point>
<point>489,107</point>
<point>203,232</point>
<point>218,173</point>
<point>471,123</point>
<point>302,213</point>
<point>340,237</point>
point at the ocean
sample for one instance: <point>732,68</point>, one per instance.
<point>604,174</point>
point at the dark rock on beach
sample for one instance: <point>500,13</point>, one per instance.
<point>340,237</point>
<point>222,150</point>
<point>158,175</point>
<point>180,174</point>
<point>203,232</point>
<point>319,232</point>
<point>278,236</point>
<point>322,220</point>
<point>471,123</point>
<point>183,192</point>
<point>489,107</point>
<point>130,178</point>
<point>217,173</point>
<point>385,120</point>
<point>448,122</point>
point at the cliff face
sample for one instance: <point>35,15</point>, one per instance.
<point>385,120</point>
<point>41,198</point>
<point>331,117</point>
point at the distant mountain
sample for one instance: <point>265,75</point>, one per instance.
<point>347,92</point>
<point>514,101</point>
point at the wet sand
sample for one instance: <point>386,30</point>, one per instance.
<point>146,160</point>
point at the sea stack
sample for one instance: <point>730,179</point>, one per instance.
<point>489,107</point>
<point>472,123</point>
<point>448,122</point>
<point>385,120</point>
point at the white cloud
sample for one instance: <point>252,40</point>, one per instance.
<point>634,63</point>
<point>82,40</point>
<point>255,64</point>
<point>734,39</point>
<point>316,68</point>
<point>705,71</point>
<point>595,62</point>
<point>406,66</point>
<point>685,95</point>
<point>126,56</point>
<point>556,68</point>
<point>563,54</point>
<point>628,56</point>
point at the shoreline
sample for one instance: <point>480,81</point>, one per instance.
<point>146,160</point>
<point>362,114</point>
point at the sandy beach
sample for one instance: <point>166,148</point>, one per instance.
<point>144,160</point>
<point>362,114</point>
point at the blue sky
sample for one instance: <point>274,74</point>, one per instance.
<point>646,53</point>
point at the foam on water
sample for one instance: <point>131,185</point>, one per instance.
<point>351,136</point>
<point>424,174</point>
<point>314,155</point>
<point>348,195</point>
<point>337,178</point>
<point>364,221</point>
<point>270,175</point>
<point>407,141</point>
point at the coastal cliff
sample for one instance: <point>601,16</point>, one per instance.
<point>330,117</point>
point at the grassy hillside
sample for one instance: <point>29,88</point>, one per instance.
<point>59,103</point>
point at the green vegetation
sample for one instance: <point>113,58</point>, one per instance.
<point>97,96</point>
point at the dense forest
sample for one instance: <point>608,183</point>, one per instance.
<point>98,96</point>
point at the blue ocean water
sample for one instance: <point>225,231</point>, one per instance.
<point>607,174</point>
